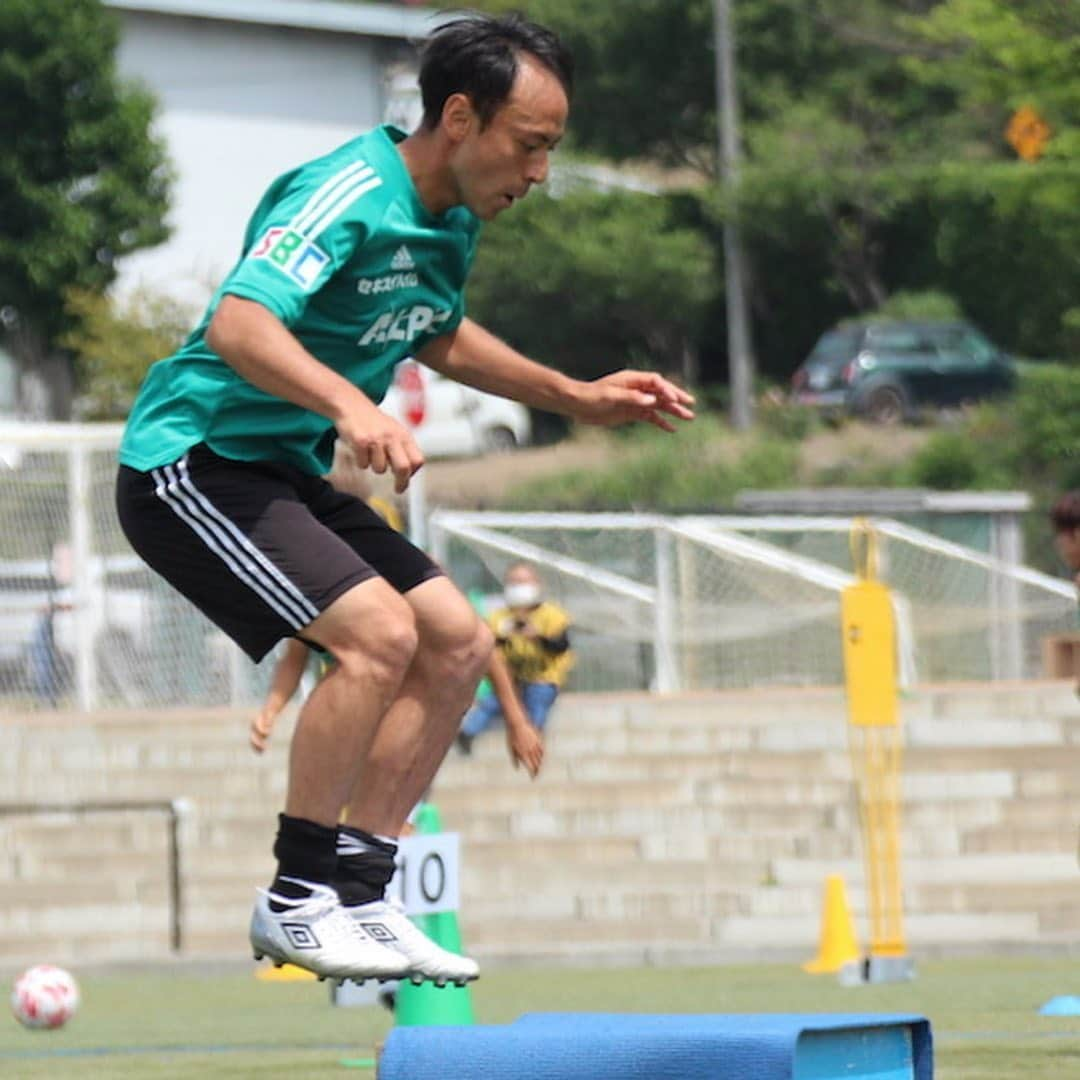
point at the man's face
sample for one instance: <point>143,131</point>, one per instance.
<point>495,166</point>
<point>1068,545</point>
<point>521,588</point>
<point>521,575</point>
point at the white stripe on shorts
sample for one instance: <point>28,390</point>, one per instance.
<point>242,543</point>
<point>167,488</point>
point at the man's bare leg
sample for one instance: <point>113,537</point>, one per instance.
<point>410,744</point>
<point>418,729</point>
<point>370,631</point>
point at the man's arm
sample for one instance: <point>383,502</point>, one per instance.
<point>286,678</point>
<point>524,742</point>
<point>472,355</point>
<point>259,347</point>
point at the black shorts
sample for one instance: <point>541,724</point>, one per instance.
<point>261,549</point>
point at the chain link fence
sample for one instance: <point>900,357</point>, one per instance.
<point>663,603</point>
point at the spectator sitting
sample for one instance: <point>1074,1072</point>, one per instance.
<point>532,643</point>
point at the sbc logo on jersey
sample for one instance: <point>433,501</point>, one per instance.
<point>293,254</point>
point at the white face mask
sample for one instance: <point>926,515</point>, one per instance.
<point>522,594</point>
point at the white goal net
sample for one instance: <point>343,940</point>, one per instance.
<point>732,602</point>
<point>657,602</point>
<point>83,622</point>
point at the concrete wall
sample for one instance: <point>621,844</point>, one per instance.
<point>241,104</point>
<point>683,829</point>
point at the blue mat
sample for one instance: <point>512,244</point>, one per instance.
<point>1062,1005</point>
<point>603,1046</point>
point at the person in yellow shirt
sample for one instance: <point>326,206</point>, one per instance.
<point>532,646</point>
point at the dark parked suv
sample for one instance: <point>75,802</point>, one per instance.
<point>886,371</point>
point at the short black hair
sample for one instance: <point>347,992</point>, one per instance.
<point>477,55</point>
<point>1065,513</point>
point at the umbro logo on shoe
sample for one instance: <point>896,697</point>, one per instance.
<point>402,260</point>
<point>300,935</point>
<point>378,931</point>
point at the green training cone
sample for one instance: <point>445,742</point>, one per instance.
<point>427,1004</point>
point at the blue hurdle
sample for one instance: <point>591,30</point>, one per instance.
<point>606,1046</point>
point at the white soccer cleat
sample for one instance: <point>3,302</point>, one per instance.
<point>316,933</point>
<point>385,921</point>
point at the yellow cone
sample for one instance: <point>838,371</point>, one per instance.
<point>838,945</point>
<point>285,973</point>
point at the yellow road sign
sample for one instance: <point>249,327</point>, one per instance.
<point>1027,133</point>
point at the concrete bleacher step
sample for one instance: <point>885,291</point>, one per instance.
<point>716,816</point>
<point>1059,837</point>
<point>798,934</point>
<point>561,936</point>
<point>984,870</point>
<point>67,945</point>
<point>1020,895</point>
<point>577,796</point>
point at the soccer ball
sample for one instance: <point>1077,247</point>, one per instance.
<point>44,996</point>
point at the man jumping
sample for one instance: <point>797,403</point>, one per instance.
<point>350,263</point>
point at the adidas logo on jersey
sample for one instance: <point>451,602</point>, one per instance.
<point>402,260</point>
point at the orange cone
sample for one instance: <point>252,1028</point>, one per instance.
<point>838,946</point>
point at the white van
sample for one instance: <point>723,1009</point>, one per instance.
<point>458,420</point>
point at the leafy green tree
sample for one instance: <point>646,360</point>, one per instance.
<point>646,71</point>
<point>644,82</point>
<point>82,179</point>
<point>1047,416</point>
<point>997,56</point>
<point>592,282</point>
<point>875,158</point>
<point>115,341</point>
<point>827,105</point>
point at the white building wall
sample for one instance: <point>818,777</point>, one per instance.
<point>239,104</point>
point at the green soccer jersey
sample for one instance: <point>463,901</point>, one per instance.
<point>344,253</point>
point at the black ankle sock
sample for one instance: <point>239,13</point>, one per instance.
<point>365,865</point>
<point>306,855</point>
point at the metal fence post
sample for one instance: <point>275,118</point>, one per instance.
<point>667,669</point>
<point>82,575</point>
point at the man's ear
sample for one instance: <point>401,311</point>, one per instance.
<point>458,117</point>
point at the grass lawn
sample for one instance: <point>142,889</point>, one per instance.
<point>182,1024</point>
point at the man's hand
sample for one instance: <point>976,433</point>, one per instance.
<point>526,746</point>
<point>379,442</point>
<point>262,727</point>
<point>634,395</point>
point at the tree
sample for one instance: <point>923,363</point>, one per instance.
<point>645,79</point>
<point>82,179</point>
<point>116,342</point>
<point>997,56</point>
<point>643,75</point>
<point>592,282</point>
<point>875,159</point>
